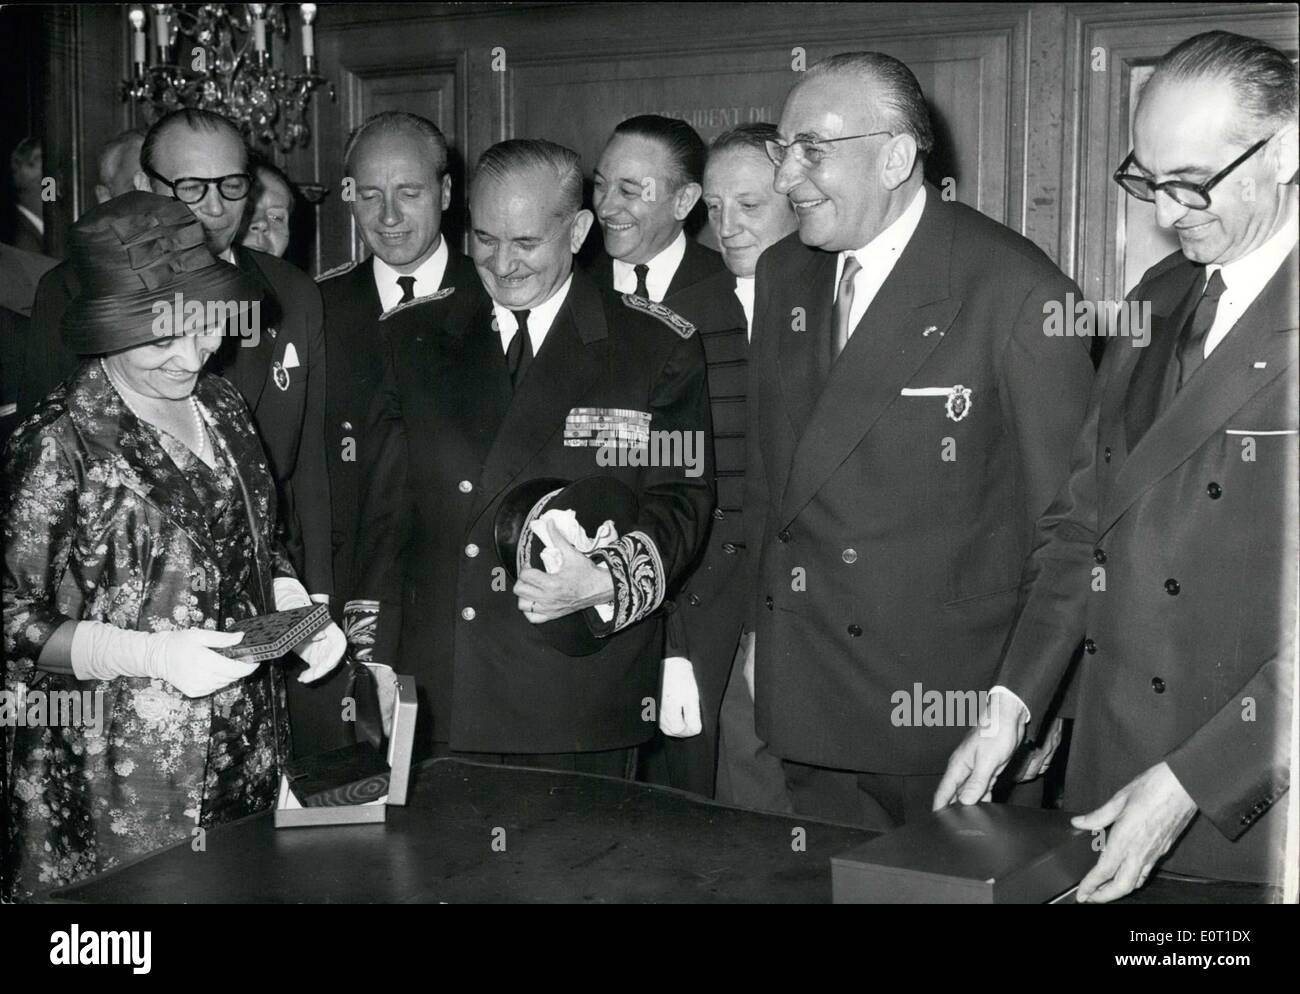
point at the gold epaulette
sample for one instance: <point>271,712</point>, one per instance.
<point>665,314</point>
<point>446,291</point>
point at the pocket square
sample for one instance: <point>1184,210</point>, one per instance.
<point>290,357</point>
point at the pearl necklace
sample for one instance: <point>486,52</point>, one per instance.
<point>200,429</point>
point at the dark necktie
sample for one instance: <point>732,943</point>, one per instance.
<point>519,353</point>
<point>407,283</point>
<point>641,273</point>
<point>843,305</point>
<point>1191,342</point>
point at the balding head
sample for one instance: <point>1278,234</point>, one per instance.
<point>119,161</point>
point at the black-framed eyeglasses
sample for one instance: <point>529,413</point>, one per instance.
<point>1195,196</point>
<point>192,189</point>
<point>808,151</point>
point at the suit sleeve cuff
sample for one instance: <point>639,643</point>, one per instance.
<point>637,571</point>
<point>360,622</point>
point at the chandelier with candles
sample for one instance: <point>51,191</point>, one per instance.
<point>217,56</point>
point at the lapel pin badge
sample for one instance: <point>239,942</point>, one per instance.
<point>1261,365</point>
<point>930,331</point>
<point>958,405</point>
<point>280,375</point>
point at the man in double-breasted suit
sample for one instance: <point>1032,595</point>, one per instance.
<point>1170,554</point>
<point>909,421</point>
<point>483,393</point>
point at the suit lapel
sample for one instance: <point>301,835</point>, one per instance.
<point>248,368</point>
<point>803,348</point>
<point>1265,334</point>
<point>889,344</point>
<point>1145,391</point>
<point>570,360</point>
<point>470,384</point>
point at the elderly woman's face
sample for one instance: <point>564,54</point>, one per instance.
<point>168,368</point>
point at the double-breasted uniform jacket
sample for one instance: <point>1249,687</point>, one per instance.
<point>280,373</point>
<point>450,442</point>
<point>698,263</point>
<point>354,340</point>
<point>101,525</point>
<point>1173,561</point>
<point>706,612</point>
<point>891,498</point>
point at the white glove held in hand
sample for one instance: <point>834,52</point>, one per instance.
<point>322,651</point>
<point>184,659</point>
<point>679,700</point>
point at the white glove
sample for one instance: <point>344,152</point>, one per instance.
<point>322,651</point>
<point>679,699</point>
<point>184,658</point>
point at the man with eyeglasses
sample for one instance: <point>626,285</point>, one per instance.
<point>1182,502</point>
<point>909,420</point>
<point>482,394</point>
<point>199,158</point>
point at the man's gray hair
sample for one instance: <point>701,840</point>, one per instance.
<point>110,156</point>
<point>1263,78</point>
<point>534,154</point>
<point>399,122</point>
<point>900,104</point>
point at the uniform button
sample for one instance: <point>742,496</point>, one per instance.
<point>729,548</point>
<point>850,556</point>
<point>768,602</point>
<point>718,513</point>
<point>464,486</point>
<point>471,550</point>
<point>1089,646</point>
<point>1172,587</point>
<point>1157,685</point>
<point>468,613</point>
<point>1214,490</point>
<point>783,535</point>
<point>855,630</point>
<point>347,425</point>
<point>1099,555</point>
<point>693,600</point>
<point>1106,453</point>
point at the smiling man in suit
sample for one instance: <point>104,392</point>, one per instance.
<point>909,421</point>
<point>1182,500</point>
<point>483,393</point>
<point>644,188</point>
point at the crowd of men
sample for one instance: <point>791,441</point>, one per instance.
<point>908,486</point>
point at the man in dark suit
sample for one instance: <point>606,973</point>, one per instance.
<point>26,178</point>
<point>279,368</point>
<point>397,166</point>
<point>482,394</point>
<point>908,422</point>
<point>645,186</point>
<point>708,612</point>
<point>1170,554</point>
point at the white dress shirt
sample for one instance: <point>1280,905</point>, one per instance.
<point>428,277</point>
<point>540,318</point>
<point>1245,278</point>
<point>877,258</point>
<point>745,294</point>
<point>662,269</point>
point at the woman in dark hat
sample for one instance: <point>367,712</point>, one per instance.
<point>138,524</point>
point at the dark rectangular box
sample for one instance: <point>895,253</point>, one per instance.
<point>976,854</point>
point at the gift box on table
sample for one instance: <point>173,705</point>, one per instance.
<point>356,784</point>
<point>967,854</point>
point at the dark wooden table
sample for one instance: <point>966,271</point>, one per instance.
<point>475,833</point>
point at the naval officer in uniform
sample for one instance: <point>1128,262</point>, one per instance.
<point>482,395</point>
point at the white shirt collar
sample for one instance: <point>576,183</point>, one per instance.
<point>1245,278</point>
<point>663,268</point>
<point>428,276</point>
<point>32,216</point>
<point>745,293</point>
<point>540,318</point>
<point>886,247</point>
